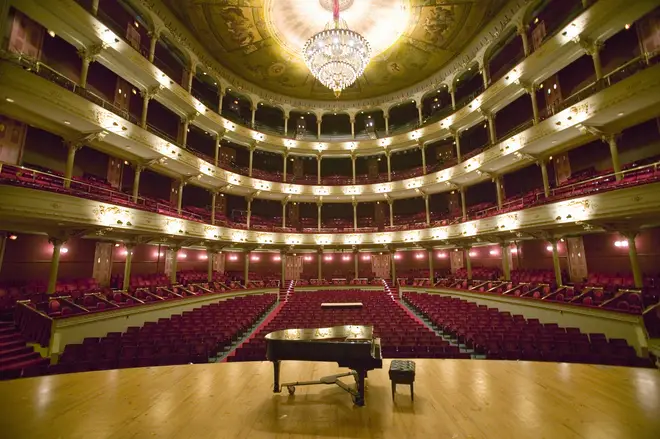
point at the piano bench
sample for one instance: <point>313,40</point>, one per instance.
<point>402,372</point>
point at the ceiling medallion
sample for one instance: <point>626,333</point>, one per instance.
<point>337,56</point>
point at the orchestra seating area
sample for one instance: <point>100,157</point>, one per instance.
<point>500,335</point>
<point>190,337</point>
<point>94,188</point>
<point>402,336</point>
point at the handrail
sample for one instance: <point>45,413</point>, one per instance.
<point>33,324</point>
<point>539,195</point>
<point>81,186</point>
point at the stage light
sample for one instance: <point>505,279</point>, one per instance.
<point>13,237</point>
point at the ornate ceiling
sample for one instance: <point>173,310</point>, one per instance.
<point>260,40</point>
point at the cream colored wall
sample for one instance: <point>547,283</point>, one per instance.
<point>75,329</point>
<point>612,324</point>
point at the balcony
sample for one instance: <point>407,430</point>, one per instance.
<point>556,52</point>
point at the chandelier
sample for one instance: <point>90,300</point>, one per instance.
<point>337,56</point>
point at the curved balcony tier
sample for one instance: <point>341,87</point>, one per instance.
<point>613,100</point>
<point>30,199</point>
<point>597,23</point>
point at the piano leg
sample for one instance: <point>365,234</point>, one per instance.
<point>276,373</point>
<point>358,399</point>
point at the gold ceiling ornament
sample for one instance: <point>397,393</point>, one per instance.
<point>337,56</point>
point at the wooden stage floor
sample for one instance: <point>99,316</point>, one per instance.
<point>454,399</point>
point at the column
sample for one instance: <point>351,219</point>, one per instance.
<point>318,168</point>
<point>246,269</point>
<point>457,141</point>
<point>286,125</point>
<point>484,73</point>
<point>283,270</point>
<point>214,195</point>
<point>391,203</point>
<point>84,70</point>
<point>352,127</point>
<point>463,206</point>
<point>522,31</point>
<point>136,181</point>
<point>393,261</point>
<point>221,95</point>
<point>356,263</point>
<point>614,153</point>
<point>468,262</point>
<point>179,201</point>
<point>428,212</point>
<point>452,93</point>
<point>285,157</point>
<point>216,155</point>
<point>531,91</point>
<point>254,114</point>
<point>249,211</point>
<point>595,56</point>
<point>284,203</point>
<point>419,113</point>
<point>127,266</point>
<point>422,148</point>
<point>54,264</point>
<point>544,175</point>
<point>189,77</point>
<point>319,257</point>
<point>252,146</point>
<point>185,125</point>
<point>505,261</point>
<point>319,204</point>
<point>634,262</point>
<point>431,269</point>
<point>387,124</point>
<point>555,262</point>
<point>353,158</point>
<point>498,189</point>
<point>147,95</point>
<point>389,165</point>
<point>355,224</point>
<point>490,117</point>
<point>318,128</point>
<point>70,159</point>
<point>209,264</point>
<point>174,251</point>
<point>153,41</point>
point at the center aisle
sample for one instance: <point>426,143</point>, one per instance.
<point>253,333</point>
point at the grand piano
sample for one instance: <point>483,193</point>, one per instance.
<point>350,346</point>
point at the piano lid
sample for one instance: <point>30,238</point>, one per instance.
<point>335,333</point>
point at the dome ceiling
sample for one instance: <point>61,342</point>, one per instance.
<point>260,40</point>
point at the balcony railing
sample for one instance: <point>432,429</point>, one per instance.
<point>34,179</point>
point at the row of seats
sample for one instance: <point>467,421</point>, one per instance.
<point>191,337</point>
<point>500,335</point>
<point>401,335</point>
